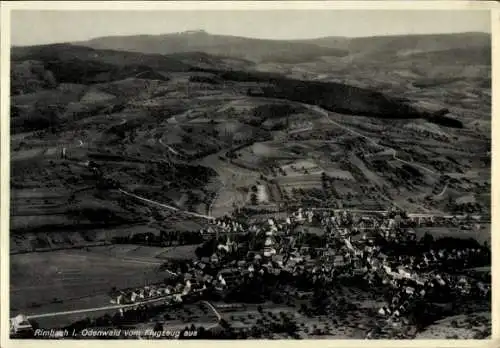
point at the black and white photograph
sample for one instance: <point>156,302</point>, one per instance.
<point>249,173</point>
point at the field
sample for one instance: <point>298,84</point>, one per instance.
<point>131,252</point>
<point>90,301</point>
<point>471,326</point>
<point>300,181</point>
<point>155,255</point>
<point>262,194</point>
<point>36,279</point>
<point>482,235</point>
<point>343,324</point>
<point>177,318</point>
<point>369,175</point>
<point>302,167</point>
<point>234,185</point>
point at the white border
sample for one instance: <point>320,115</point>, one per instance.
<point>6,7</point>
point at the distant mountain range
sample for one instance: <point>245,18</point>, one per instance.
<point>295,51</point>
<point>400,43</point>
<point>201,41</point>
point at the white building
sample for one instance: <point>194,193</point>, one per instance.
<point>20,324</point>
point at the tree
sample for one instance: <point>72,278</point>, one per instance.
<point>224,324</point>
<point>427,240</point>
<point>186,139</point>
<point>158,327</point>
<point>253,199</point>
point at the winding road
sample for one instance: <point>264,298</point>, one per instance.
<point>443,191</point>
<point>217,314</point>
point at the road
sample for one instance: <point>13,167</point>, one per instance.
<point>394,152</point>
<point>104,308</point>
<point>300,130</point>
<point>358,211</point>
<point>410,215</point>
<point>217,314</point>
<point>170,148</point>
<point>167,206</point>
<point>442,192</point>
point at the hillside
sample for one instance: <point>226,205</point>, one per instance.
<point>230,46</point>
<point>337,97</point>
<point>381,47</point>
<point>165,126</point>
<point>38,72</point>
<point>377,49</point>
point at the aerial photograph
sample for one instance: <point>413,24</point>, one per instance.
<point>250,174</point>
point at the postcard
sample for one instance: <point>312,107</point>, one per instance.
<point>284,171</point>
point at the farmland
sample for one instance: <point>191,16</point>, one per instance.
<point>155,255</point>
<point>469,327</point>
<point>346,324</point>
<point>482,235</point>
<point>73,276</point>
<point>178,318</point>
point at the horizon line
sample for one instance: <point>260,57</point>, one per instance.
<point>253,38</point>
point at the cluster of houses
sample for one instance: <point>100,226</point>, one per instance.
<point>155,291</point>
<point>413,276</point>
<point>351,250</point>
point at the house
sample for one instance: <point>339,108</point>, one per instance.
<point>269,252</point>
<point>339,261</point>
<point>278,259</point>
<point>133,296</point>
<point>214,258</point>
<point>229,275</point>
<point>20,324</point>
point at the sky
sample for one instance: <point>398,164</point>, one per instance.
<point>42,27</point>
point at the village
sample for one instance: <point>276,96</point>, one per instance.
<point>240,263</point>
